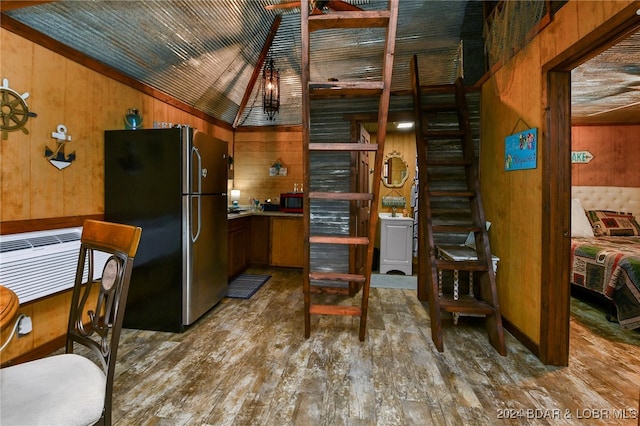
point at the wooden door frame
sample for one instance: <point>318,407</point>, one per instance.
<point>556,182</point>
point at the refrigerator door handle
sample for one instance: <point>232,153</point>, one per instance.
<point>196,196</point>
<point>194,151</point>
<point>194,238</point>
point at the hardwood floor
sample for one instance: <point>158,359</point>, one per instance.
<point>247,363</point>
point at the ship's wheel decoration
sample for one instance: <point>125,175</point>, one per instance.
<point>57,157</point>
<point>14,111</point>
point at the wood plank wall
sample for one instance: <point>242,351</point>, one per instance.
<point>63,92</point>
<point>35,195</point>
<point>405,144</point>
<point>516,93</point>
<point>616,155</point>
<point>256,150</point>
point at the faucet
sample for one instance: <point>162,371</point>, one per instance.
<point>393,211</point>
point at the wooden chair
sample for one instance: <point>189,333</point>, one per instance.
<point>70,388</point>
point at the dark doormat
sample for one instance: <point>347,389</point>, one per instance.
<point>245,285</point>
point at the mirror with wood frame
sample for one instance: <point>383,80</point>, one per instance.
<point>395,170</point>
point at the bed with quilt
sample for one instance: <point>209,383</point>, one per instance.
<point>605,250</point>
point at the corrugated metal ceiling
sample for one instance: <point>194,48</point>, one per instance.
<point>203,52</point>
<point>606,89</point>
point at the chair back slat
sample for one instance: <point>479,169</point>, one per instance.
<point>97,305</point>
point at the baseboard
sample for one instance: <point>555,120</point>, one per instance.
<point>521,337</point>
<point>36,353</point>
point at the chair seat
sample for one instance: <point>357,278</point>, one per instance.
<point>63,389</point>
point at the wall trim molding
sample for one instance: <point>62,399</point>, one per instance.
<point>30,225</point>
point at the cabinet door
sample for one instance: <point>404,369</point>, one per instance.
<point>259,241</point>
<point>287,241</point>
<point>239,233</point>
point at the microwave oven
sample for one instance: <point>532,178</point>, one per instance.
<point>291,202</point>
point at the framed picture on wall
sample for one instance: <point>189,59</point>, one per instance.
<point>521,150</point>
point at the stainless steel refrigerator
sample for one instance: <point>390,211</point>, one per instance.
<point>172,183</point>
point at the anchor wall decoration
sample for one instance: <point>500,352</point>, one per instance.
<point>57,157</point>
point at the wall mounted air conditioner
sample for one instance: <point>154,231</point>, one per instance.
<point>42,263</point>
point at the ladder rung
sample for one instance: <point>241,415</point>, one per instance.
<point>347,196</point>
<point>340,146</point>
<point>465,194</point>
<point>465,305</point>
<point>334,276</point>
<point>461,265</point>
<point>334,310</point>
<point>448,162</point>
<point>444,134</point>
<point>456,228</point>
<point>345,88</point>
<point>437,88</point>
<point>339,240</point>
<point>350,19</point>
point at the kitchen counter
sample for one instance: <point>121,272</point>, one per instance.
<point>249,212</point>
<point>271,238</point>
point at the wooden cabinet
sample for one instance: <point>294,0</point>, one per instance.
<point>260,240</point>
<point>239,245</point>
<point>264,241</point>
<point>287,241</point>
<point>49,318</point>
<point>396,237</point>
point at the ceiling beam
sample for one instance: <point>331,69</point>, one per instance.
<point>256,70</point>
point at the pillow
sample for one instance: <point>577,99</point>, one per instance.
<point>580,225</point>
<point>613,224</point>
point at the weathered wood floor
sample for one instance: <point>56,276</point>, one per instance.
<point>247,363</point>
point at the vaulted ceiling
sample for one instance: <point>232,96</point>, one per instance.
<point>204,52</point>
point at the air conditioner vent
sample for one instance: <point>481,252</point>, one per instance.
<point>71,236</point>
<point>7,246</point>
<point>38,264</point>
<point>40,241</point>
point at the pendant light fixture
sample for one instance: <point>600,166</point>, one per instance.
<point>270,89</point>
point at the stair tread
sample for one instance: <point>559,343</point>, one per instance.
<point>342,146</point>
<point>444,134</point>
<point>429,177</point>
<point>462,265</point>
<point>448,162</point>
<point>349,19</point>
<point>465,304</point>
<point>326,239</point>
<point>316,309</point>
<point>444,107</point>
<point>456,228</point>
<point>348,196</point>
<point>451,193</point>
<point>437,88</point>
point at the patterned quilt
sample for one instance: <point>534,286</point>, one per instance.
<point>610,266</point>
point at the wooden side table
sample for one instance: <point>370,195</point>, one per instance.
<point>8,309</point>
<point>459,253</point>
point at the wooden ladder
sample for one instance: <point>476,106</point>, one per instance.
<point>320,281</point>
<point>449,208</point>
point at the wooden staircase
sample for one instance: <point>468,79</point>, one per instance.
<point>319,280</point>
<point>449,208</point>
